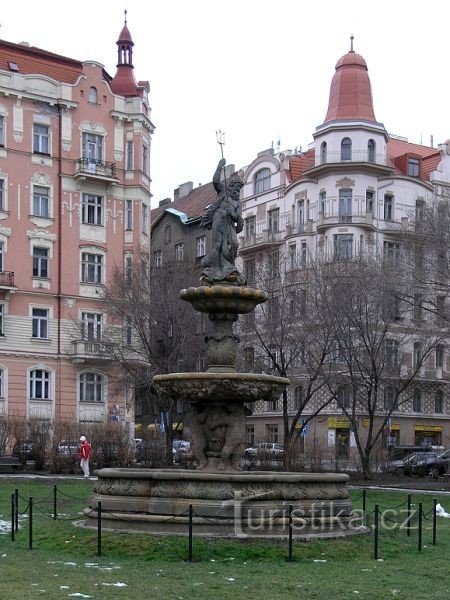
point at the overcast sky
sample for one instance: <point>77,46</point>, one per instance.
<point>260,70</point>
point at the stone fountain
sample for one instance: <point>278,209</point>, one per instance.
<point>225,500</point>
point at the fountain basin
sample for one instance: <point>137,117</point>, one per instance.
<point>227,299</point>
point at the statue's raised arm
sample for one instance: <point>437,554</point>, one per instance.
<point>224,218</point>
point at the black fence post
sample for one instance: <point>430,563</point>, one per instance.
<point>364,502</point>
<point>375,550</point>
<point>190,534</point>
<point>16,496</point>
<point>434,521</point>
<point>408,521</point>
<point>419,540</point>
<point>55,502</point>
<point>30,523</point>
<point>290,534</point>
<point>13,516</point>
<point>99,528</point>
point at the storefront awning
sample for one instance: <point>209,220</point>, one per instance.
<point>338,423</point>
<point>430,428</point>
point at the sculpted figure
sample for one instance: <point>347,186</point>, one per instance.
<point>224,218</point>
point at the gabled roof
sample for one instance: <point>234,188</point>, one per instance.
<point>299,164</point>
<point>193,205</point>
<point>35,61</point>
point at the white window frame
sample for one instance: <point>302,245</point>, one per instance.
<point>157,258</point>
<point>201,246</point>
<point>262,181</point>
<point>39,322</point>
<point>93,95</point>
<point>2,256</point>
<point>179,252</point>
<point>2,130</point>
<point>40,199</point>
<point>41,262</point>
<point>2,318</point>
<point>91,326</point>
<point>128,215</point>
<point>92,210</point>
<point>129,156</point>
<point>41,139</point>
<point>91,387</point>
<point>92,146</point>
<point>39,377</point>
<point>144,219</point>
<point>92,268</point>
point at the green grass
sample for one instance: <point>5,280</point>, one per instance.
<point>64,558</point>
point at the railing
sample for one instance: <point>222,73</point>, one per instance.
<point>355,156</point>
<point>7,278</point>
<point>90,348</point>
<point>97,168</point>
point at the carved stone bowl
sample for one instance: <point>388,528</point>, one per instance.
<point>224,299</point>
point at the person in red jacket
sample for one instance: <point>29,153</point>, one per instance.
<point>85,454</point>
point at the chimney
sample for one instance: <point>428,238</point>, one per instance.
<point>165,202</point>
<point>183,190</point>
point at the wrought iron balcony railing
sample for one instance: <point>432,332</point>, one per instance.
<point>96,168</point>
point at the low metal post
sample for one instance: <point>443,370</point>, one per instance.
<point>419,540</point>
<point>13,516</point>
<point>375,551</point>
<point>16,496</point>
<point>408,520</point>
<point>55,502</point>
<point>290,534</point>
<point>30,523</point>
<point>99,528</point>
<point>190,534</point>
<point>364,499</point>
<point>434,521</point>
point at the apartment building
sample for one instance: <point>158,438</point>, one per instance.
<point>74,203</point>
<point>355,192</point>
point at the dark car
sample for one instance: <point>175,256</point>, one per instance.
<point>420,464</point>
<point>24,450</point>
<point>438,466</point>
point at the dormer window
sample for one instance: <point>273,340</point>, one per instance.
<point>93,97</point>
<point>262,181</point>
<point>346,149</point>
<point>323,153</point>
<point>413,167</point>
<point>371,151</point>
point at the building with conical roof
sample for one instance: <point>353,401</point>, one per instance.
<point>354,193</point>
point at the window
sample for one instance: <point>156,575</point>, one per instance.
<point>371,151</point>
<point>345,206</point>
<point>91,387</point>
<point>39,385</point>
<point>249,227</point>
<point>413,167</point>
<point>40,262</point>
<point>128,331</point>
<point>91,268</point>
<point>40,323</point>
<point>157,258</point>
<point>392,307</point>
<point>346,149</point>
<point>128,215</point>
<point>300,216</point>
<point>273,310</point>
<point>249,359</point>
<point>250,435</point>
<point>441,315</point>
<point>370,205</point>
<point>129,155</point>
<point>274,264</point>
<point>417,355</point>
<point>417,400</point>
<point>262,181</point>
<point>2,312</point>
<point>2,383</point>
<point>2,130</point>
<point>2,252</point>
<point>92,96</point>
<point>129,268</point>
<point>41,201</point>
<point>323,153</point>
<point>322,202</point>
<point>145,219</point>
<point>419,257</point>
<point>391,251</point>
<point>298,397</point>
<point>439,401</point>
<point>271,405</point>
<point>392,347</point>
<point>417,307</point>
<point>179,252</point>
<point>200,246</point>
<point>92,147</point>
<point>274,216</point>
<point>91,326</point>
<point>343,247</point>
<point>41,139</point>
<point>343,396</point>
<point>420,205</point>
<point>272,433</point>
<point>2,195</point>
<point>250,270</point>
<point>439,356</point>
<point>145,159</point>
<point>388,208</point>
<point>390,398</point>
<point>292,256</point>
<point>201,363</point>
<point>303,254</point>
<point>92,210</point>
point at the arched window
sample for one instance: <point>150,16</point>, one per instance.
<point>93,96</point>
<point>92,387</point>
<point>371,151</point>
<point>323,153</point>
<point>346,149</point>
<point>262,181</point>
<point>39,385</point>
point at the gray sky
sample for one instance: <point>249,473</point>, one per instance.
<point>259,70</point>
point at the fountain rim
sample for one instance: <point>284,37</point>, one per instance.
<point>220,377</point>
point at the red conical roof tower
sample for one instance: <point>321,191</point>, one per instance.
<point>350,91</point>
<point>124,82</point>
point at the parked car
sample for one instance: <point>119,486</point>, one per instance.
<point>181,451</point>
<point>24,450</point>
<point>265,450</point>
<point>436,467</point>
<point>68,448</point>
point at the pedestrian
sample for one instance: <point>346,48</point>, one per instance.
<point>85,454</point>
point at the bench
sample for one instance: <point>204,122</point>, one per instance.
<point>11,462</point>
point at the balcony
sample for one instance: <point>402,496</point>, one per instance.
<point>360,219</point>
<point>88,168</point>
<point>7,280</point>
<point>359,159</point>
<point>83,350</point>
<point>263,235</point>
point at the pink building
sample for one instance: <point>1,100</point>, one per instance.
<point>74,202</point>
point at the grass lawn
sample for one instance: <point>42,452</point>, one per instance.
<point>64,563</point>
